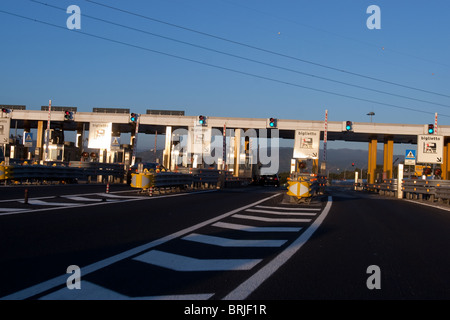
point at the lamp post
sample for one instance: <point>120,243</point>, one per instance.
<point>371,114</point>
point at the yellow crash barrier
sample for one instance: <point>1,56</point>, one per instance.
<point>142,180</point>
<point>300,189</point>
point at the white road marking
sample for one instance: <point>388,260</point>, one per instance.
<point>282,212</point>
<point>110,195</point>
<point>108,201</point>
<point>11,209</point>
<point>91,291</point>
<point>242,227</point>
<point>182,263</point>
<point>288,208</point>
<point>48,203</point>
<point>78,198</point>
<point>252,283</point>
<point>226,242</point>
<point>61,280</point>
<point>243,216</point>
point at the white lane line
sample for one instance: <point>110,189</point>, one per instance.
<point>252,283</point>
<point>61,280</point>
<point>108,201</point>
<point>78,198</point>
<point>226,242</point>
<point>52,197</point>
<point>115,196</point>
<point>182,263</point>
<point>91,291</point>
<point>11,209</point>
<point>47,203</point>
<point>242,227</point>
<point>288,208</point>
<point>282,212</point>
<point>243,216</point>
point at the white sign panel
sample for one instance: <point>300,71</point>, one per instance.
<point>200,140</point>
<point>4,130</point>
<point>100,135</point>
<point>430,148</point>
<point>306,144</point>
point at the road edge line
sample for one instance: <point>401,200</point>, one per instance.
<point>251,284</point>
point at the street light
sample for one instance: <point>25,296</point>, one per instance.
<point>371,114</point>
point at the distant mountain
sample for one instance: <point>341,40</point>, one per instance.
<point>336,158</point>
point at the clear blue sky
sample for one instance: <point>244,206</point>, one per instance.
<point>40,62</point>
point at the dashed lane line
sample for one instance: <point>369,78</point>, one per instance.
<point>289,208</point>
<point>282,212</point>
<point>258,218</point>
<point>183,263</point>
<point>91,291</point>
<point>247,228</point>
<point>226,242</point>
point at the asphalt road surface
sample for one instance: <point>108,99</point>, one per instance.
<point>234,244</point>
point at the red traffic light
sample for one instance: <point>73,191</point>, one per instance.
<point>68,115</point>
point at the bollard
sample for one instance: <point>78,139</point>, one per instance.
<point>107,187</point>
<point>150,191</point>
<point>26,197</point>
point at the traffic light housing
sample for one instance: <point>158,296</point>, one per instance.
<point>133,117</point>
<point>348,126</point>
<point>6,110</point>
<point>68,115</point>
<point>430,129</point>
<point>202,120</point>
<point>272,123</point>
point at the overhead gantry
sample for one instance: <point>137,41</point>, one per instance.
<point>372,133</point>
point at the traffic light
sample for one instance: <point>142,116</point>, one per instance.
<point>272,123</point>
<point>68,115</point>
<point>133,117</point>
<point>431,129</point>
<point>202,120</point>
<point>348,125</point>
<point>353,164</point>
<point>6,110</point>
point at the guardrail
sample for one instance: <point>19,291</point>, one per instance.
<point>387,187</point>
<point>413,189</point>
<point>50,172</point>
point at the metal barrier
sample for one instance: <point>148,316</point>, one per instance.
<point>387,187</point>
<point>202,178</point>
<point>416,189</point>
<point>69,173</point>
<point>422,189</point>
<point>92,170</point>
<point>443,194</point>
<point>40,173</point>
